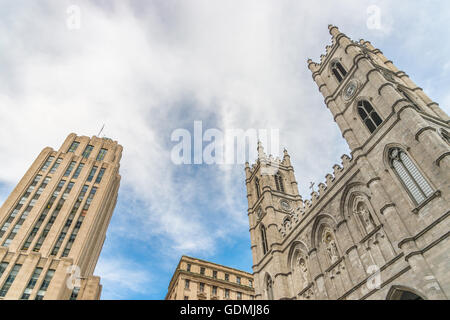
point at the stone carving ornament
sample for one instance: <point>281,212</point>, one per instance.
<point>330,246</point>
<point>303,270</point>
<point>366,219</point>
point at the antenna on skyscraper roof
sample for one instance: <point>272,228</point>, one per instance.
<point>101,130</point>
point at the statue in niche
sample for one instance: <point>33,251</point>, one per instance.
<point>365,217</point>
<point>330,246</point>
<point>303,270</point>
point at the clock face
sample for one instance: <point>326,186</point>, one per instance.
<point>285,205</point>
<point>350,89</point>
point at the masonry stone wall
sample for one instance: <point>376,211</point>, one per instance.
<point>365,233</point>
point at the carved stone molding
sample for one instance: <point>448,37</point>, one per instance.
<point>436,194</point>
<point>372,180</point>
<point>422,130</point>
<point>438,160</point>
<point>386,206</point>
<point>368,236</point>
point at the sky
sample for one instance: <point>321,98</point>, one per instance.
<point>147,68</point>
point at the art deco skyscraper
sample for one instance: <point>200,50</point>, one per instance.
<point>53,224</point>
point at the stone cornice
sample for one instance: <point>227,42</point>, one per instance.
<point>425,249</point>
<point>371,234</point>
<point>425,230</point>
<point>210,280</point>
<point>334,264</point>
<point>436,194</point>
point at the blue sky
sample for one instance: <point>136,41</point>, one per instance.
<point>147,68</point>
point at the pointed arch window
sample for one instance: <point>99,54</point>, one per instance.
<point>279,182</point>
<point>410,176</point>
<point>338,71</point>
<point>265,247</point>
<point>269,288</point>
<point>368,115</point>
<point>258,190</point>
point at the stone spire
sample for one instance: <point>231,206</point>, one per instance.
<point>261,153</point>
<point>286,158</point>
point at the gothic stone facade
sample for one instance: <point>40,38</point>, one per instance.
<point>378,227</point>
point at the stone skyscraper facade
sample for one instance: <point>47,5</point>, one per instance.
<point>378,227</point>
<point>53,224</point>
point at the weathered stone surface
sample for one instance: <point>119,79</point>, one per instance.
<point>366,234</point>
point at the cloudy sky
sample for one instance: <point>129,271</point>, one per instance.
<point>147,68</point>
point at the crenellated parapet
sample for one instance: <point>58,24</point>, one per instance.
<point>323,189</point>
<point>267,164</point>
<point>336,34</point>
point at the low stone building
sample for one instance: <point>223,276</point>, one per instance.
<point>196,279</point>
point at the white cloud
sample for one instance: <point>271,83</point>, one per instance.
<point>119,277</point>
<point>146,69</point>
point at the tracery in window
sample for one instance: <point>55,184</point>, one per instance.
<point>368,115</point>
<point>410,176</point>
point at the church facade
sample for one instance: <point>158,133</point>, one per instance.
<point>378,227</point>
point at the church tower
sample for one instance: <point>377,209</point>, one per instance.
<point>400,140</point>
<point>385,208</point>
<point>381,111</point>
<point>365,91</point>
<point>273,200</point>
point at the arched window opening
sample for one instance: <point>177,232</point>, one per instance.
<point>410,176</point>
<point>279,182</point>
<point>269,288</point>
<point>265,247</point>
<point>258,191</point>
<point>368,115</point>
<point>408,97</point>
<point>402,294</point>
<point>338,71</point>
